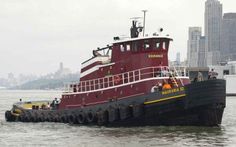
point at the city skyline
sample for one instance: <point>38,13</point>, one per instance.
<point>13,80</point>
<point>37,35</point>
<point>218,45</point>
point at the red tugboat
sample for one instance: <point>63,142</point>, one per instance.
<point>131,84</point>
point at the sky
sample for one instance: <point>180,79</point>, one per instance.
<point>36,35</point>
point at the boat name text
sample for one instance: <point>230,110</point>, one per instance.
<point>172,90</point>
<point>155,56</point>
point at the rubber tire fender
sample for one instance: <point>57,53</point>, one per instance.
<point>81,118</point>
<point>90,117</point>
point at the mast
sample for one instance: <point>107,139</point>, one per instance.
<point>144,15</point>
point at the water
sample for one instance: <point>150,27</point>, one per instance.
<point>57,134</point>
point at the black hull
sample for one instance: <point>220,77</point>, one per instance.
<point>198,104</point>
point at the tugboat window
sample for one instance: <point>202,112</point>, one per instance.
<point>122,48</point>
<point>226,72</point>
<point>164,45</point>
<point>128,47</point>
<point>157,45</point>
<point>146,45</point>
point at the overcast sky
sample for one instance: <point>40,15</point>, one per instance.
<point>35,35</point>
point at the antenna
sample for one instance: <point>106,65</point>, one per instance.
<point>144,16</point>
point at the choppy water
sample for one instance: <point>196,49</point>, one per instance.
<point>57,134</point>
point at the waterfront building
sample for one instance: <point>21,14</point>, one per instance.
<point>213,20</point>
<point>228,40</point>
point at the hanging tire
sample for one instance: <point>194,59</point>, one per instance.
<point>137,110</point>
<point>71,119</point>
<point>124,112</point>
<point>56,118</point>
<point>48,117</point>
<point>90,117</point>
<point>30,117</point>
<point>43,114</point>
<point>22,117</point>
<point>26,118</point>
<point>44,117</point>
<point>102,117</point>
<point>40,119</point>
<point>8,116</point>
<point>81,118</point>
<point>64,118</point>
<point>34,116</point>
<point>112,114</point>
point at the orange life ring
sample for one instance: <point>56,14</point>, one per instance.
<point>117,79</point>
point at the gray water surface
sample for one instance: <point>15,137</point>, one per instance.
<point>58,134</point>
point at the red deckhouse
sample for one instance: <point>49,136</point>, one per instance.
<point>127,68</point>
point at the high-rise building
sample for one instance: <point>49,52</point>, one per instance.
<point>213,19</point>
<point>228,39</point>
<point>202,54</point>
<point>194,35</point>
<point>178,58</point>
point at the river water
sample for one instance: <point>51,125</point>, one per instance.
<point>58,134</point>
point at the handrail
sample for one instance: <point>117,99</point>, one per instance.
<point>126,77</point>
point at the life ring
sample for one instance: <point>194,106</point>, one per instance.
<point>117,79</point>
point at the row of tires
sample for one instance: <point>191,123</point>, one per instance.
<point>100,117</point>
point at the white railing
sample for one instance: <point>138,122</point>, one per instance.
<point>124,78</point>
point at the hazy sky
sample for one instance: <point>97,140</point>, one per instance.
<point>35,35</point>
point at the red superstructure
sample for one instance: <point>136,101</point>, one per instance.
<point>129,68</point>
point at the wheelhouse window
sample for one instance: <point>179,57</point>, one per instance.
<point>122,48</point>
<point>128,47</point>
<point>164,45</point>
<point>146,45</point>
<point>157,44</point>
